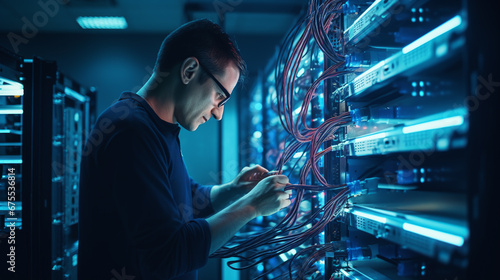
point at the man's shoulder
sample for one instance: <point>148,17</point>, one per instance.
<point>125,112</point>
<point>124,117</point>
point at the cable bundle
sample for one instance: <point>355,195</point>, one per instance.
<point>315,24</point>
<point>324,15</point>
<point>295,229</point>
<point>284,236</point>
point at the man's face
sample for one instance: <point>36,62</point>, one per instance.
<point>200,100</point>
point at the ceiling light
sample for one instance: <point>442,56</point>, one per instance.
<point>102,22</point>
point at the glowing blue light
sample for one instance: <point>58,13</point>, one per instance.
<point>370,216</point>
<point>435,234</point>
<point>11,111</point>
<point>283,257</point>
<point>421,83</point>
<point>10,83</point>
<point>413,19</point>
<point>10,88</point>
<point>447,122</point>
<point>345,272</point>
<point>297,155</point>
<point>422,170</point>
<point>260,267</point>
<point>257,106</point>
<point>422,93</point>
<point>413,93</point>
<point>10,91</point>
<point>371,137</point>
<point>296,111</point>
<point>421,19</point>
<point>413,10</point>
<point>75,94</point>
<point>422,179</point>
<point>443,28</point>
<point>102,22</point>
<point>257,134</point>
<point>414,84</point>
<point>293,252</point>
<point>301,72</point>
<point>259,219</point>
<point>441,50</point>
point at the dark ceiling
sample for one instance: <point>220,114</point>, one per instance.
<point>150,16</point>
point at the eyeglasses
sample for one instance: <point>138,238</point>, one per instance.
<point>224,90</point>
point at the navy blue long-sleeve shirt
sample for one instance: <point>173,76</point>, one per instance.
<point>139,209</point>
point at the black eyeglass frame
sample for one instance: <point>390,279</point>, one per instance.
<point>224,90</point>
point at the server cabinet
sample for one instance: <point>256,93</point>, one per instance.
<point>418,81</point>
<point>54,119</point>
<point>419,108</point>
<point>14,192</point>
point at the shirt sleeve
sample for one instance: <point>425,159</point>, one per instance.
<point>167,245</point>
<point>201,200</point>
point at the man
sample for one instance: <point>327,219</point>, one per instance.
<point>141,215</point>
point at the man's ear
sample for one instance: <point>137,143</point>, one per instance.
<point>189,67</point>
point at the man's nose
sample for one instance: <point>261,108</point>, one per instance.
<point>217,112</point>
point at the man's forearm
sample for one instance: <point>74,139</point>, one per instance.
<point>223,195</point>
<point>225,223</point>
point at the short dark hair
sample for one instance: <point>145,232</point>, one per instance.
<point>204,40</point>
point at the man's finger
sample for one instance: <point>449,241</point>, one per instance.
<point>280,179</point>
<point>285,203</point>
<point>283,196</point>
<point>257,173</point>
<point>259,169</point>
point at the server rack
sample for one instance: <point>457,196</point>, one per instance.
<point>416,127</point>
<point>56,116</point>
<point>420,89</point>
<point>14,194</point>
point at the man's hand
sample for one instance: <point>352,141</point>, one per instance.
<point>225,194</point>
<point>248,178</point>
<point>269,195</point>
<point>266,198</point>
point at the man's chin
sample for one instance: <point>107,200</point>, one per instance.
<point>189,126</point>
<point>193,127</point>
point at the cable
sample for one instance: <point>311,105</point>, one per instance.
<point>295,228</point>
